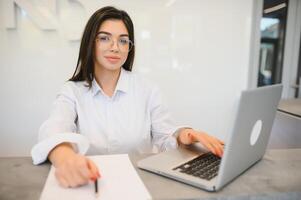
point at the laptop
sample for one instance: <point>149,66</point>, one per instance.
<point>244,147</point>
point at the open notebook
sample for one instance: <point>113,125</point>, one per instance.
<point>119,181</point>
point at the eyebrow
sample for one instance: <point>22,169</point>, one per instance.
<point>107,33</point>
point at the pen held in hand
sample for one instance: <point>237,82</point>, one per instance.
<point>96,187</point>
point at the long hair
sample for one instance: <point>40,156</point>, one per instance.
<point>85,64</point>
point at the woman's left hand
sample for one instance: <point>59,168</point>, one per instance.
<point>190,136</point>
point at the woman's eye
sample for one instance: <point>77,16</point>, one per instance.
<point>123,41</point>
<point>104,38</point>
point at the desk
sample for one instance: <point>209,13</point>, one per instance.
<point>277,176</point>
<point>290,106</point>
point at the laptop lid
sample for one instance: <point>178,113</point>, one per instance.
<point>251,131</point>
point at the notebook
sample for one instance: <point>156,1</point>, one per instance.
<point>119,180</point>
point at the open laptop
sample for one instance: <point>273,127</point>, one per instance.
<point>245,146</point>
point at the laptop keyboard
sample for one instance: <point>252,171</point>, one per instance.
<point>204,166</point>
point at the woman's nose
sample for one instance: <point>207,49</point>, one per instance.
<point>114,46</point>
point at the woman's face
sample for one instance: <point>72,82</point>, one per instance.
<point>111,45</point>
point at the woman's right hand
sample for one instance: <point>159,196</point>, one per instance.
<point>72,169</point>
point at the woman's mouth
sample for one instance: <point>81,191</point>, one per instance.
<point>112,59</point>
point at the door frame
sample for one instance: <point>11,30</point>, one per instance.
<point>291,49</point>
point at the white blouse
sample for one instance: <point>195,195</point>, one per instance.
<point>132,120</point>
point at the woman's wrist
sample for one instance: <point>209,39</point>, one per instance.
<point>185,136</point>
<point>60,153</point>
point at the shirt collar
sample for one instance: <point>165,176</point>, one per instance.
<point>122,83</point>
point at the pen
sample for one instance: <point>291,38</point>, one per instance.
<point>96,187</point>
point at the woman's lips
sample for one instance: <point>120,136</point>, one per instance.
<point>112,59</point>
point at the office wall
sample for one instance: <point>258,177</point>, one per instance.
<point>198,52</point>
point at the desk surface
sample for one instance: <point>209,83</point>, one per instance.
<point>276,176</point>
<point>291,106</point>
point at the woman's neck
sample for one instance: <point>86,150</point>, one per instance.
<point>107,79</point>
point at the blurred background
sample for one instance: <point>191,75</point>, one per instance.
<point>201,54</point>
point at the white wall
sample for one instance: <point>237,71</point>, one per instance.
<point>198,52</point>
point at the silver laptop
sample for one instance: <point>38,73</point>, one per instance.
<point>245,146</point>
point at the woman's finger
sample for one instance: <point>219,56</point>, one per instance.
<point>70,178</point>
<point>73,172</point>
<point>211,148</point>
<point>221,142</point>
<point>78,178</point>
<point>210,143</point>
<point>85,173</point>
<point>218,148</point>
<point>62,181</point>
<point>216,145</point>
<point>202,138</point>
<point>93,168</point>
<point>83,169</point>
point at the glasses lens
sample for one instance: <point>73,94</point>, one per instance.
<point>125,44</point>
<point>106,42</point>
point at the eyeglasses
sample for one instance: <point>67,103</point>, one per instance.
<point>106,42</point>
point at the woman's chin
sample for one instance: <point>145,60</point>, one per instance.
<point>112,67</point>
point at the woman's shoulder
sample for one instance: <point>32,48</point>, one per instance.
<point>146,87</point>
<point>72,87</point>
<point>142,81</point>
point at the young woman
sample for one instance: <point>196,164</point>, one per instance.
<point>107,108</point>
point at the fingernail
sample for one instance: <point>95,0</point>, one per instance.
<point>98,174</point>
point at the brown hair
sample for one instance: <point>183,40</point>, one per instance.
<point>85,64</point>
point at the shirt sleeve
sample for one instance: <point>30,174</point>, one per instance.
<point>162,125</point>
<point>59,127</point>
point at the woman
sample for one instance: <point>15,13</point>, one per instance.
<point>113,109</point>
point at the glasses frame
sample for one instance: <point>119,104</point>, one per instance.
<point>131,43</point>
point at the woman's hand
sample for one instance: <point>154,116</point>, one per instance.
<point>71,169</point>
<point>190,136</point>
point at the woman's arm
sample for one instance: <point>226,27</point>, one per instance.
<point>163,129</point>
<point>60,143</point>
<point>60,152</point>
<point>60,126</point>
